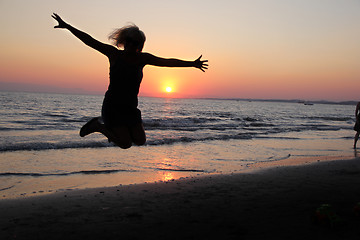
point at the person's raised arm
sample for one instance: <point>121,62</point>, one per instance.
<point>173,62</point>
<point>106,49</point>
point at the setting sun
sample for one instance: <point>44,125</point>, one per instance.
<point>168,89</point>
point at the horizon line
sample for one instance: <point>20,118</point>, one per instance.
<point>303,101</point>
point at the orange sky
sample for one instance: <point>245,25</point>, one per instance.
<point>300,49</point>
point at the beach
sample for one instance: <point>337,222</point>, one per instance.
<point>211,168</point>
<point>41,151</point>
<point>278,202</point>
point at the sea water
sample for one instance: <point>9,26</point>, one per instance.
<point>41,150</point>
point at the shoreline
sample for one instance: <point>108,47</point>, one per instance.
<point>271,202</point>
<point>136,180</point>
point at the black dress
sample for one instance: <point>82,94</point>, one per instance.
<point>121,99</point>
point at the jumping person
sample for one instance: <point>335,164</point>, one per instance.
<point>120,119</point>
<point>357,124</point>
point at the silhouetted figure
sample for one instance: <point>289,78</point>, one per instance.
<point>357,124</point>
<point>120,119</point>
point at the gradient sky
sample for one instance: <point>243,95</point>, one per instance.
<point>267,49</point>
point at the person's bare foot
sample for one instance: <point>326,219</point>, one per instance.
<point>90,127</point>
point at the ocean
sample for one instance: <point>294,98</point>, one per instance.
<point>41,151</point>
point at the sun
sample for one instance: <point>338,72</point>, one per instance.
<point>168,89</point>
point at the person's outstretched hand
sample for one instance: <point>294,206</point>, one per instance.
<point>201,64</point>
<point>61,23</point>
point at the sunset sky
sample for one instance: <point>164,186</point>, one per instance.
<point>260,49</point>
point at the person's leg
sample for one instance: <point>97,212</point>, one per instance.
<point>138,134</point>
<point>356,138</point>
<point>124,136</point>
<point>90,127</point>
<point>120,136</point>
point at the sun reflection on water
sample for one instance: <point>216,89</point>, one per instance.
<point>166,176</point>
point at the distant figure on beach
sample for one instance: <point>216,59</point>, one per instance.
<point>120,119</point>
<point>357,124</point>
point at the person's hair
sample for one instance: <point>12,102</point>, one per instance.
<point>130,33</point>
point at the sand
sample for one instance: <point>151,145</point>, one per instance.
<point>275,203</point>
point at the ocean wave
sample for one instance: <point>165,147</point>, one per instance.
<point>331,118</point>
<point>218,122</point>
<point>180,170</point>
<point>220,132</point>
<point>88,172</point>
<point>37,146</point>
<point>166,141</point>
<point>159,123</point>
<point>65,126</point>
<point>7,188</point>
<point>274,158</point>
<point>174,123</point>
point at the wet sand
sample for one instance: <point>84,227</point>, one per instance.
<point>275,203</point>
